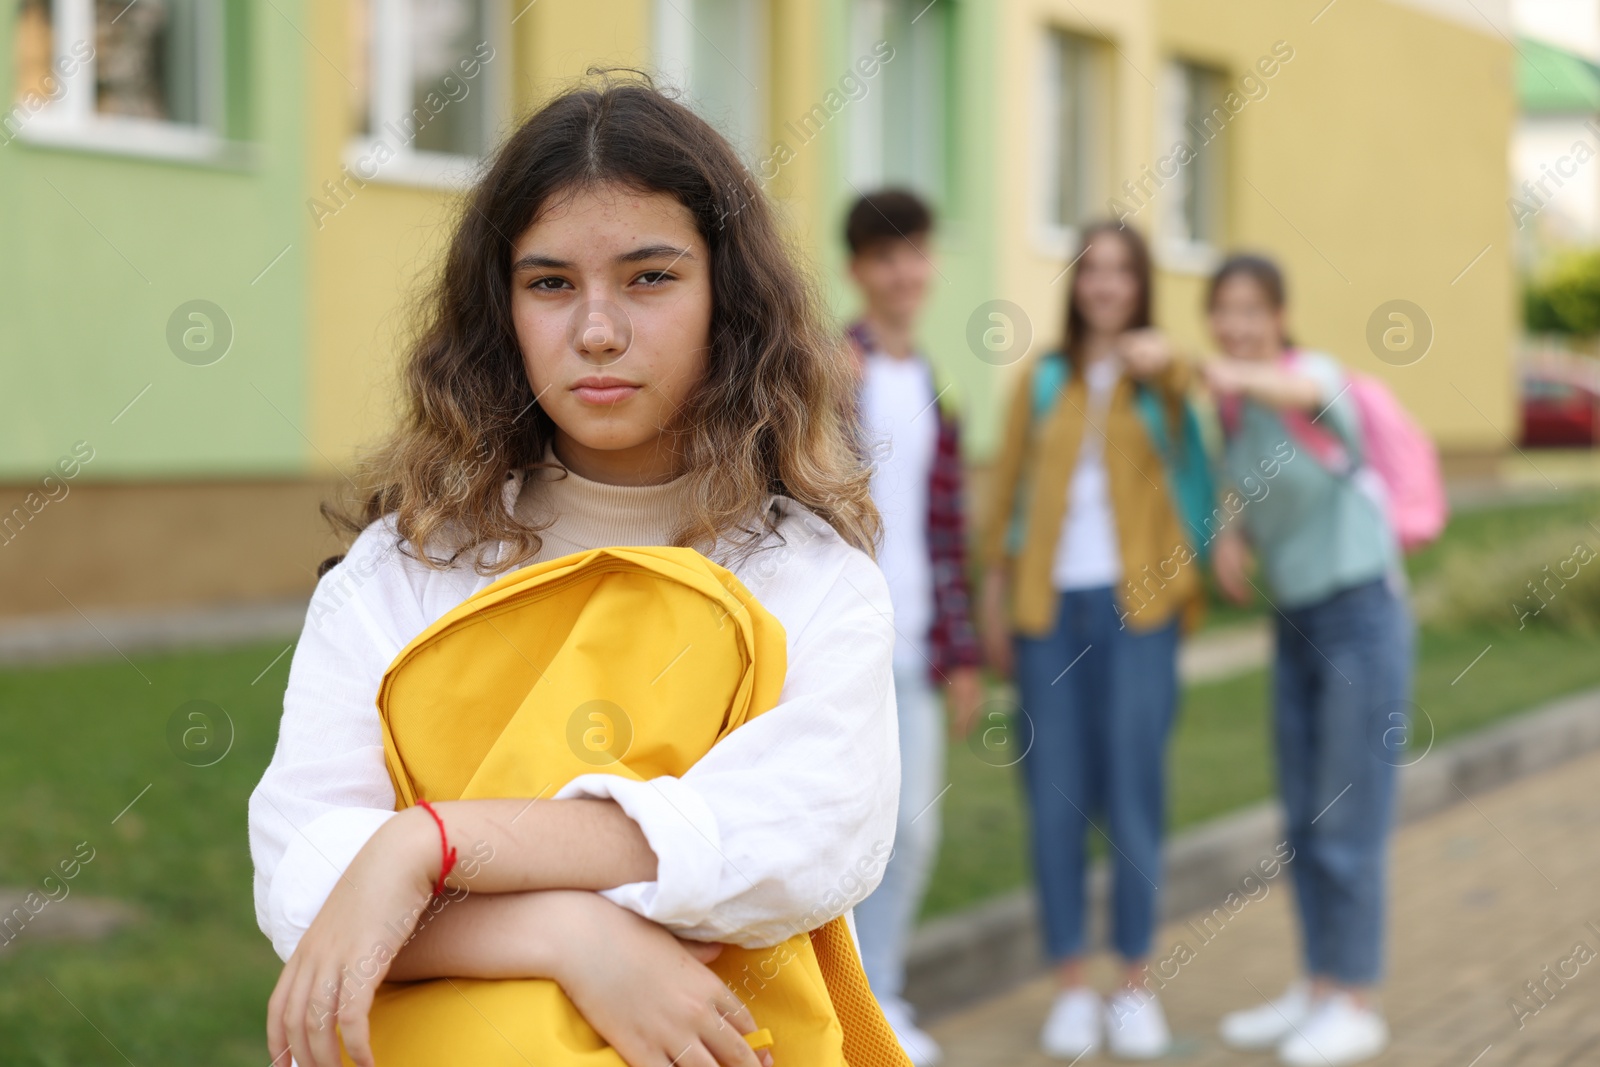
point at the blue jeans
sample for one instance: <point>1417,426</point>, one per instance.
<point>884,920</point>
<point>1342,679</point>
<point>1101,701</point>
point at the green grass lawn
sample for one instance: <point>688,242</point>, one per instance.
<point>188,983</point>
<point>1220,757</point>
<point>1487,527</point>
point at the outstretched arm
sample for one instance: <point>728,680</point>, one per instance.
<point>1266,383</point>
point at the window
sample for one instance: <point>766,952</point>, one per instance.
<point>715,53</point>
<point>899,126</point>
<point>143,78</point>
<point>425,89</point>
<point>1075,135</point>
<point>1191,217</point>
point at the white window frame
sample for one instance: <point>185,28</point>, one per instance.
<point>389,88</point>
<point>674,32</point>
<point>864,157</point>
<point>1176,249</point>
<point>1055,236</point>
<point>71,121</point>
<point>929,52</point>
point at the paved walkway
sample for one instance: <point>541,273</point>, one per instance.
<point>1213,655</point>
<point>68,636</point>
<point>1487,894</point>
<point>107,633</point>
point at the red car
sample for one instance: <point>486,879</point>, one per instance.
<point>1558,412</point>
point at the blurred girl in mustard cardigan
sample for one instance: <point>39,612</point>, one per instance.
<point>1086,577</point>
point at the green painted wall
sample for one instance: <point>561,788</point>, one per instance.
<point>966,254</point>
<point>98,250</point>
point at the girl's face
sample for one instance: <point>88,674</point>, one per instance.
<point>611,299</point>
<point>1244,322</point>
<point>1106,285</point>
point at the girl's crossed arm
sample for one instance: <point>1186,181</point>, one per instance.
<point>780,828</point>
<point>341,879</point>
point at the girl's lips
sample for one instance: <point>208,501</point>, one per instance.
<point>604,394</point>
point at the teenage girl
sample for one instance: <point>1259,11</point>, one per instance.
<point>618,351</point>
<point>1086,543</point>
<point>1342,670</point>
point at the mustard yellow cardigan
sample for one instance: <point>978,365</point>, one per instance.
<point>1160,578</point>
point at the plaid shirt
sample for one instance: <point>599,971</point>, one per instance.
<point>952,641</point>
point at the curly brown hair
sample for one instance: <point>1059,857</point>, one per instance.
<point>773,414</point>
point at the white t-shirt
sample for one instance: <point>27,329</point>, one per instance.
<point>902,423</point>
<point>1086,554</point>
<point>752,840</point>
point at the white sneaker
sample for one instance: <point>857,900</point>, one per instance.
<point>1268,1024</point>
<point>1136,1027</point>
<point>1073,1029</point>
<point>1340,1031</point>
<point>919,1045</point>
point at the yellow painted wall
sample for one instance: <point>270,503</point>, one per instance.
<point>372,260</point>
<point>1371,169</point>
<point>797,85</point>
<point>1030,273</point>
<point>367,263</point>
<point>556,43</point>
<point>1374,169</point>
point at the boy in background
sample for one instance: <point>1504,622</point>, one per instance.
<point>913,438</point>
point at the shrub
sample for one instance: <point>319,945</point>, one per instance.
<point>1551,580</point>
<point>1565,298</point>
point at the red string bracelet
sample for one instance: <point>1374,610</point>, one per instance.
<point>447,855</point>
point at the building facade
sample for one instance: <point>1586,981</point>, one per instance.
<point>218,216</point>
<point>1555,199</point>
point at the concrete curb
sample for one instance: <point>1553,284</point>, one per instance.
<point>71,918</point>
<point>38,640</point>
<point>69,636</point>
<point>1216,655</point>
<point>957,959</point>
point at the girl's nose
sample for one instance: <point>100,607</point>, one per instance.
<point>600,332</point>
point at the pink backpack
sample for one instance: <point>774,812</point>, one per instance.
<point>1401,468</point>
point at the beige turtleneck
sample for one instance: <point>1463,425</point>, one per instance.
<point>591,514</point>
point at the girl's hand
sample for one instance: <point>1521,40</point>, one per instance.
<point>650,995</point>
<point>1222,377</point>
<point>965,695</point>
<point>327,986</point>
<point>1268,383</point>
<point>994,624</point>
<point>1145,353</point>
<point>1230,562</point>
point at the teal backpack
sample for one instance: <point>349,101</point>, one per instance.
<point>1188,467</point>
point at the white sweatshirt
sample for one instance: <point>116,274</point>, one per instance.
<point>783,825</point>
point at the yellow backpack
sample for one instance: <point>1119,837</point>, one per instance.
<point>630,661</point>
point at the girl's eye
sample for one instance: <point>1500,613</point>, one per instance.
<point>547,284</point>
<point>654,277</point>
